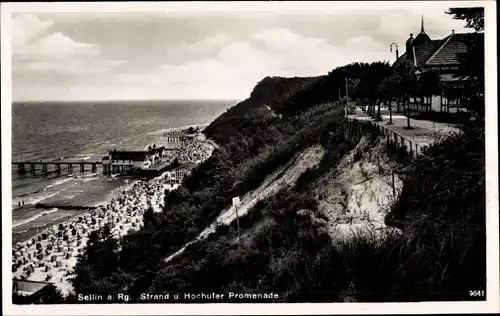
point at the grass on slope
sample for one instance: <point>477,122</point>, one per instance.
<point>441,255</point>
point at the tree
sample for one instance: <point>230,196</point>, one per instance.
<point>474,17</point>
<point>471,68</point>
<point>370,78</point>
<point>452,92</point>
<point>98,260</point>
<point>471,62</point>
<point>429,84</point>
<point>389,89</point>
<point>408,85</point>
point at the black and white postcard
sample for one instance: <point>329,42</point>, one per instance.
<point>238,157</point>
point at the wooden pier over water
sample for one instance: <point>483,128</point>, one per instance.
<point>46,167</point>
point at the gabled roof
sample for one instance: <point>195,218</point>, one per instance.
<point>439,52</point>
<point>128,155</point>
<point>447,52</point>
<point>424,51</point>
<point>156,150</point>
<point>28,287</point>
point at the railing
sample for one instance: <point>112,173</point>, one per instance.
<point>57,162</point>
<point>394,138</point>
<point>399,140</point>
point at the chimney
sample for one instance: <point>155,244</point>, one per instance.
<point>452,31</point>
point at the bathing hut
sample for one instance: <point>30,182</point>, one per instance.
<point>30,268</point>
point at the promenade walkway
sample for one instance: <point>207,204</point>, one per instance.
<point>423,132</point>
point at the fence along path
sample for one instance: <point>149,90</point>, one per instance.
<point>423,133</point>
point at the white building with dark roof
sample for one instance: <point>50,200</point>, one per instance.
<point>126,161</point>
<point>441,56</point>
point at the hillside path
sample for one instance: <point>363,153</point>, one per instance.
<point>285,176</point>
<point>423,132</point>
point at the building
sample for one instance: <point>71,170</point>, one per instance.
<point>173,138</point>
<point>126,161</point>
<point>441,56</point>
<point>157,154</point>
<point>177,175</point>
<point>32,292</point>
<point>180,173</point>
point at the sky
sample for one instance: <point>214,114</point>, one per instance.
<point>200,55</point>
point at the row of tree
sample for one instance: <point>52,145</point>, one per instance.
<point>383,84</point>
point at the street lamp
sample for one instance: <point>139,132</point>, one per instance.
<point>397,51</point>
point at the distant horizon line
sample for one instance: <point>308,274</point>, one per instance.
<point>125,100</point>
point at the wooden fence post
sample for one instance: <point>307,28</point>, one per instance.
<point>393,185</point>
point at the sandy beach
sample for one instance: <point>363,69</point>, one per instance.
<point>51,255</point>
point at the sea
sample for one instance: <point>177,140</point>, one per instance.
<point>86,131</point>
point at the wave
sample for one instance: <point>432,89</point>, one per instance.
<point>35,217</point>
<point>33,199</point>
<point>38,195</point>
<point>89,177</point>
<point>58,182</point>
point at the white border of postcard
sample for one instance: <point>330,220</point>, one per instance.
<point>490,305</point>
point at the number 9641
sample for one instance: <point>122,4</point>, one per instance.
<point>476,293</point>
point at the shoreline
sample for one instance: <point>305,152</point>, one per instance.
<point>123,209</point>
<point>83,208</point>
<point>54,252</point>
<point>114,193</point>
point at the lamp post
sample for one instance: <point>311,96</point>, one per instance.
<point>346,90</point>
<point>397,51</point>
<point>394,73</point>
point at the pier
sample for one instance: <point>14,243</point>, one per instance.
<point>46,167</point>
<point>65,206</point>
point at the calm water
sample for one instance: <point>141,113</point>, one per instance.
<point>86,130</point>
